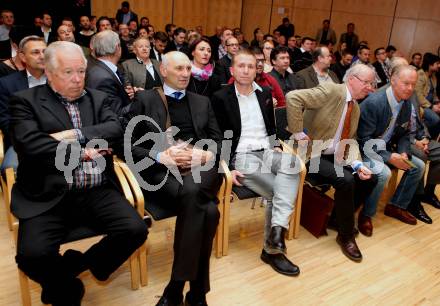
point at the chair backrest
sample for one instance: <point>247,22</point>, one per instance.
<point>281,123</point>
<point>2,152</point>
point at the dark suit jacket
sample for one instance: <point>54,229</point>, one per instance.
<point>120,16</point>
<point>9,85</point>
<point>215,43</point>
<point>307,78</point>
<point>53,36</point>
<point>227,111</point>
<point>381,73</point>
<point>374,120</point>
<point>36,113</point>
<point>339,70</point>
<point>100,77</point>
<point>171,46</point>
<point>149,103</point>
<point>300,60</point>
<point>221,69</point>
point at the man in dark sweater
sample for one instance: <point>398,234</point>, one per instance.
<point>185,179</point>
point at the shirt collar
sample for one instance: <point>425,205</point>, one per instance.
<point>393,101</point>
<point>109,64</point>
<point>142,62</point>
<point>30,76</point>
<point>348,96</point>
<point>65,100</point>
<point>255,87</point>
<point>168,91</point>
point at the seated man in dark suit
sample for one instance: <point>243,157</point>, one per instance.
<point>319,72</point>
<point>386,115</point>
<point>46,30</point>
<point>31,53</point>
<point>302,57</point>
<point>222,68</point>
<point>341,67</point>
<point>104,75</point>
<point>189,190</point>
<point>178,42</point>
<point>280,59</point>
<point>160,41</point>
<point>257,161</point>
<point>381,67</point>
<point>125,15</point>
<point>48,199</point>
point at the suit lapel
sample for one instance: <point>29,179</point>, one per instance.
<point>87,110</point>
<point>56,109</point>
<point>233,109</point>
<point>193,111</point>
<point>263,104</point>
<point>104,66</point>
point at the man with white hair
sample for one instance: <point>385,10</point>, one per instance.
<point>331,115</point>
<point>194,201</point>
<point>386,115</point>
<point>103,73</point>
<point>47,200</point>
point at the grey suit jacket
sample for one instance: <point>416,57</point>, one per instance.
<point>135,72</point>
<point>307,78</point>
<point>331,35</point>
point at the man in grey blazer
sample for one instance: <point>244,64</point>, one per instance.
<point>319,72</point>
<point>142,71</point>
<point>326,34</point>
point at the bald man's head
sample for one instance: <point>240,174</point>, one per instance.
<point>176,69</point>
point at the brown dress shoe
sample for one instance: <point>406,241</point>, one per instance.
<point>349,247</point>
<point>365,225</point>
<point>399,214</point>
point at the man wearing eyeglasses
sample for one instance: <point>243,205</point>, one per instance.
<point>329,114</point>
<point>386,115</point>
<point>381,67</point>
<point>225,63</point>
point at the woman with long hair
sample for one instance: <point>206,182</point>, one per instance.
<point>203,81</point>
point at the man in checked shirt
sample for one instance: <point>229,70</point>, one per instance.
<point>46,201</point>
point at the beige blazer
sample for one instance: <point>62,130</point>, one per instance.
<point>422,87</point>
<point>323,106</point>
<point>135,72</point>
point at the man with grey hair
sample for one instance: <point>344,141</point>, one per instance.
<point>329,113</point>
<point>318,72</point>
<point>386,116</point>
<point>31,53</point>
<point>47,200</point>
<point>104,74</point>
<point>192,200</point>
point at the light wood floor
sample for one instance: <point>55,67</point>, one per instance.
<point>401,266</point>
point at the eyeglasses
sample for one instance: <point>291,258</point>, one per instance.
<point>366,83</point>
<point>233,45</point>
<point>260,60</point>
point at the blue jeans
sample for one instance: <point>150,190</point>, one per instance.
<point>432,121</point>
<point>405,191</point>
<point>10,160</point>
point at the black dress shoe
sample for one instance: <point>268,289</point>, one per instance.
<point>349,247</point>
<point>191,300</point>
<point>166,301</point>
<point>420,213</point>
<point>275,242</point>
<point>280,263</point>
<point>431,200</point>
<point>69,295</point>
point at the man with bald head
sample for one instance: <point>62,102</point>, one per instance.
<point>328,115</point>
<point>174,165</point>
<point>386,116</point>
<point>48,200</point>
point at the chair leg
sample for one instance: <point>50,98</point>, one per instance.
<point>24,288</point>
<point>294,223</point>
<point>6,201</point>
<point>143,255</point>
<point>134,269</point>
<point>218,240</point>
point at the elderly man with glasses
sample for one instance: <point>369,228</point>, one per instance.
<point>329,114</point>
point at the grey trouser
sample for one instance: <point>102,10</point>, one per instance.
<point>274,176</point>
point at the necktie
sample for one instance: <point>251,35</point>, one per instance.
<point>177,95</point>
<point>343,151</point>
<point>160,56</point>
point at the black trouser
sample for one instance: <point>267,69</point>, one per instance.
<point>102,208</point>
<point>196,224</point>
<point>350,191</point>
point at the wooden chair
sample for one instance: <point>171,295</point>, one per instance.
<point>82,232</point>
<point>157,212</point>
<point>3,185</point>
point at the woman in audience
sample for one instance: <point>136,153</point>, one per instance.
<point>258,38</point>
<point>142,72</point>
<point>203,81</point>
<point>14,63</point>
<point>338,53</point>
<point>268,46</point>
<point>142,32</point>
<point>426,93</point>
